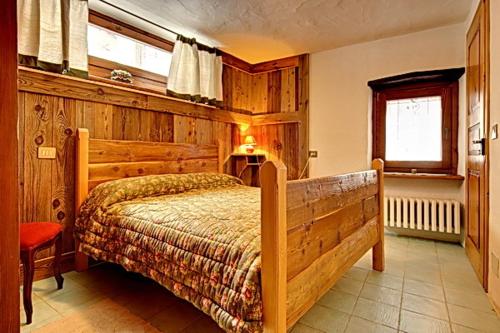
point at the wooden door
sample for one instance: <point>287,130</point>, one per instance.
<point>476,241</point>
<point>9,229</point>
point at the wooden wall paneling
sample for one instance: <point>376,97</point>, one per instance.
<point>36,81</point>
<point>132,124</point>
<point>273,65</point>
<point>62,177</point>
<point>162,127</point>
<point>274,92</point>
<point>103,121</point>
<point>21,111</point>
<point>259,93</point>
<point>288,90</point>
<point>290,144</point>
<point>237,90</point>
<point>227,79</point>
<point>184,129</point>
<point>38,132</point>
<point>222,134</point>
<point>303,109</point>
<point>204,132</point>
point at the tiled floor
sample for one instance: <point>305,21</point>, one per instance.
<point>427,287</point>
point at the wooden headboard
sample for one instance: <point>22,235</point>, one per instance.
<point>98,161</point>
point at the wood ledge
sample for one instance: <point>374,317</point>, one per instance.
<point>37,81</point>
<point>433,176</point>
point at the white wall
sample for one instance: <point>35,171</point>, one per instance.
<point>340,109</point>
<point>494,281</point>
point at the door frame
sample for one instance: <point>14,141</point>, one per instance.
<point>9,235</point>
<point>484,6</point>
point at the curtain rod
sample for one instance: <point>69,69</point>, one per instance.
<point>139,17</point>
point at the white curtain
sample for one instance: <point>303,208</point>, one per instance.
<point>195,72</point>
<point>52,35</point>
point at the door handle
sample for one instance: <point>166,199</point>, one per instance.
<point>482,142</point>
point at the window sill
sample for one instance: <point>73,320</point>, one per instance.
<point>434,176</point>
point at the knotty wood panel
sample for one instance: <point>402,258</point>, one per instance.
<point>311,200</point>
<point>308,286</point>
<point>277,142</point>
<point>47,186</point>
<point>310,241</point>
<point>53,106</point>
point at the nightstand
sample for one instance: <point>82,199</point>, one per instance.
<point>246,167</point>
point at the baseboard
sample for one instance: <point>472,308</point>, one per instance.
<point>44,267</point>
<point>495,305</point>
<point>439,236</point>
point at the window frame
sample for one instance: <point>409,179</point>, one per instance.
<point>414,85</point>
<point>99,68</point>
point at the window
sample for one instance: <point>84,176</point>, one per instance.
<point>116,45</point>
<point>109,45</point>
<point>415,121</point>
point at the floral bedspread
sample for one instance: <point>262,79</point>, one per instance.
<point>196,234</point>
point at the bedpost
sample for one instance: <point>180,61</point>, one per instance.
<point>81,187</point>
<point>273,246</point>
<point>378,260</point>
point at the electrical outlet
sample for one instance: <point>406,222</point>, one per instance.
<point>313,153</point>
<point>494,265</point>
<point>47,153</point>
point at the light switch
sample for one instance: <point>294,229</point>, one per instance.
<point>48,153</point>
<point>494,132</point>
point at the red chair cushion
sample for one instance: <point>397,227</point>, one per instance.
<point>36,233</point>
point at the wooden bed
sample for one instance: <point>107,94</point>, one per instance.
<point>312,230</point>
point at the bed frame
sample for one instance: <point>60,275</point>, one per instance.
<point>312,230</point>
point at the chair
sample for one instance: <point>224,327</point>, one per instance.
<point>34,237</point>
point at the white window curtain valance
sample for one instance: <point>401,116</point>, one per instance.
<point>52,35</point>
<point>195,72</point>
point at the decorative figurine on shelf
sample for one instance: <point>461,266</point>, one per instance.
<point>250,144</point>
<point>121,76</point>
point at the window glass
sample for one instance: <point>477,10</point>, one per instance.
<point>413,129</point>
<point>114,47</point>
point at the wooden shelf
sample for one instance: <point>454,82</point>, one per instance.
<point>435,176</point>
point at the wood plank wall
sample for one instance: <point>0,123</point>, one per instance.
<point>51,108</point>
<point>274,90</point>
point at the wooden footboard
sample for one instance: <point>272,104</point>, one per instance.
<point>313,231</point>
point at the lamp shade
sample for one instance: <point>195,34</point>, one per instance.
<point>250,140</point>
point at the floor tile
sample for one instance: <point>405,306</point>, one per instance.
<point>360,325</point>
<point>385,280</point>
<point>425,306</point>
<point>462,329</point>
<point>474,319</point>
<point>424,289</point>
<point>71,301</point>
<point>350,286</point>
<point>381,294</point>
<point>338,300</point>
<point>203,325</point>
<point>42,312</point>
<point>176,318</point>
<point>325,319</point>
<point>377,312</point>
<point>468,299</point>
<point>47,288</point>
<point>301,328</point>
<point>357,273</point>
<point>417,323</point>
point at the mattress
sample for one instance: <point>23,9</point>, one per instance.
<point>196,234</point>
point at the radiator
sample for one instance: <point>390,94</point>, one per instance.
<point>422,214</point>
